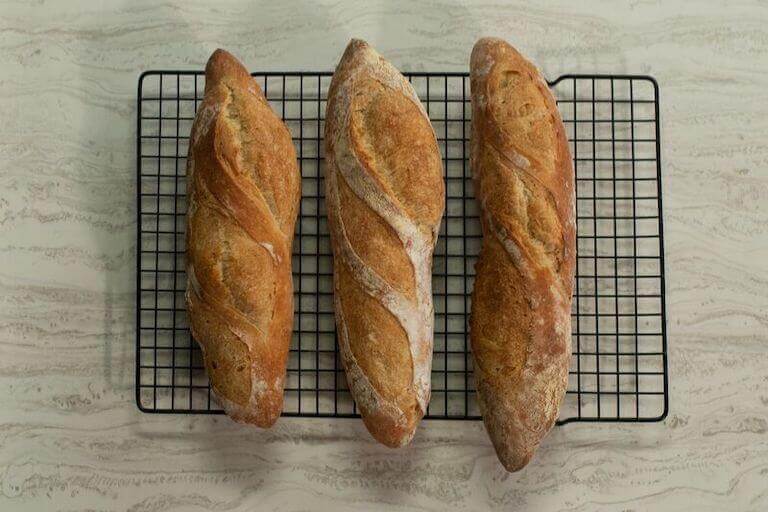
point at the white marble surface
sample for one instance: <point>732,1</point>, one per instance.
<point>71,437</point>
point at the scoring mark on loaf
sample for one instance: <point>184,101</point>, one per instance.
<point>513,250</point>
<point>204,120</point>
<point>193,283</point>
<point>378,68</point>
<point>362,389</point>
<point>271,250</point>
<point>410,315</point>
<point>519,160</point>
<point>536,200</point>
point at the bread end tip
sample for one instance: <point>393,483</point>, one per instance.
<point>354,46</point>
<point>219,55</point>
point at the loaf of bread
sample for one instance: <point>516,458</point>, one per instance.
<point>385,196</point>
<point>520,325</point>
<point>243,193</point>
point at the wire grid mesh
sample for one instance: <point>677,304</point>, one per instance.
<point>618,370</point>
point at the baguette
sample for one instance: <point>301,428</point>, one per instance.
<point>520,324</point>
<point>385,196</point>
<point>244,190</point>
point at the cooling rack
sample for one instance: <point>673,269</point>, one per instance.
<point>619,362</point>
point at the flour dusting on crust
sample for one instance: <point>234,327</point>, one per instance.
<point>414,316</point>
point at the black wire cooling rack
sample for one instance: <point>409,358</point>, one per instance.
<point>619,362</point>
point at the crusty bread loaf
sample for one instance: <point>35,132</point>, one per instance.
<point>520,325</point>
<point>385,196</point>
<point>244,189</point>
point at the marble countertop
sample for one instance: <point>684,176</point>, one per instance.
<point>71,437</point>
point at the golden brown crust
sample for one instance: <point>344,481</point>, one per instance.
<point>395,141</point>
<point>244,189</point>
<point>385,196</point>
<point>520,320</point>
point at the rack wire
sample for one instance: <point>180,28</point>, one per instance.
<point>619,363</point>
